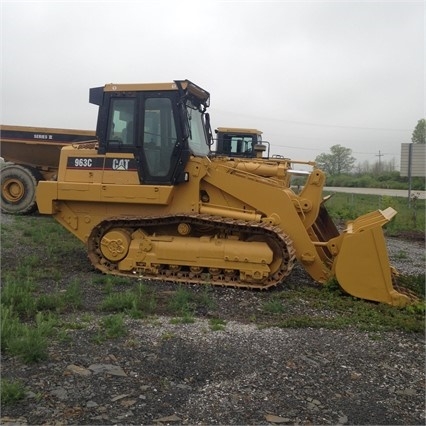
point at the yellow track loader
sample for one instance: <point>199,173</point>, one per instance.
<point>240,142</point>
<point>149,200</point>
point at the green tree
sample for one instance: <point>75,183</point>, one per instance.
<point>339,160</point>
<point>419,133</point>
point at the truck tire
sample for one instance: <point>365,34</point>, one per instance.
<point>18,189</point>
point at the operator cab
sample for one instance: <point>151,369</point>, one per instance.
<point>239,142</point>
<point>162,125</point>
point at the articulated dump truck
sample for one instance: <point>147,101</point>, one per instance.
<point>150,200</point>
<point>31,154</point>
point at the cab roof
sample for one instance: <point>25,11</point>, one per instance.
<point>176,85</point>
<point>238,130</point>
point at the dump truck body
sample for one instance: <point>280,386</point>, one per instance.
<point>150,201</point>
<point>31,154</point>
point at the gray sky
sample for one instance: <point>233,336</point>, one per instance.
<point>309,74</point>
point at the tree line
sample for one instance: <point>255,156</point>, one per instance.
<point>341,170</point>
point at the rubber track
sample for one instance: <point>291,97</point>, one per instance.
<point>219,225</point>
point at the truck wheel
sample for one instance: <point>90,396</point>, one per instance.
<point>18,189</point>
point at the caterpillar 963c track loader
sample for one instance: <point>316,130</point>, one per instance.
<point>149,200</point>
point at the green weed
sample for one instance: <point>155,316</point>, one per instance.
<point>118,301</point>
<point>73,297</point>
<point>61,301</point>
<point>168,335</point>
<point>137,303</point>
<point>50,302</point>
<point>415,283</point>
<point>401,255</point>
<point>10,326</point>
<point>11,392</point>
<point>217,324</point>
<point>205,298</point>
<point>114,325</point>
<point>18,294</point>
<point>273,306</point>
<point>181,302</point>
<point>185,317</point>
<point>78,323</point>
<point>31,342</point>
<point>111,327</point>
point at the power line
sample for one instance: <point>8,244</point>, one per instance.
<point>307,123</point>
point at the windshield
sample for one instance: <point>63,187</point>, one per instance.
<point>197,140</point>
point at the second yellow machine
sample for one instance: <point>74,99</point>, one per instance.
<point>149,200</point>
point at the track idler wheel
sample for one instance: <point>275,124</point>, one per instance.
<point>115,245</point>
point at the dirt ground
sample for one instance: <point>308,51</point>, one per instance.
<point>162,372</point>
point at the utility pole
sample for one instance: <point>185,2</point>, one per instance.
<point>380,155</point>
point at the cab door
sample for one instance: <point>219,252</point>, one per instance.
<point>144,128</point>
<point>160,148</point>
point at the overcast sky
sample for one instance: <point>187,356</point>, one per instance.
<point>309,74</point>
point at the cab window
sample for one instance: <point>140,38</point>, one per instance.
<point>159,136</point>
<point>121,130</point>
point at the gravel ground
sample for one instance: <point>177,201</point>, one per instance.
<point>165,373</point>
<point>188,374</point>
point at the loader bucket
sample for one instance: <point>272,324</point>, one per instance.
<point>362,265</point>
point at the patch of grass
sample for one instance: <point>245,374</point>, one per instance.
<point>343,207</point>
<point>168,335</point>
<point>12,391</point>
<point>305,321</point>
<point>58,301</point>
<point>79,322</point>
<point>138,302</point>
<point>30,343</point>
<point>146,299</point>
<point>185,303</point>
<point>334,310</point>
<point>50,302</point>
<point>111,281</point>
<point>418,309</point>
<point>10,326</point>
<point>111,327</point>
<point>401,254</point>
<point>273,306</point>
<point>185,317</point>
<point>18,295</point>
<point>205,299</point>
<point>118,301</point>
<point>217,324</point>
<point>73,297</point>
<point>40,229</point>
<point>415,283</point>
<point>114,325</point>
<point>63,336</point>
<point>181,301</point>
